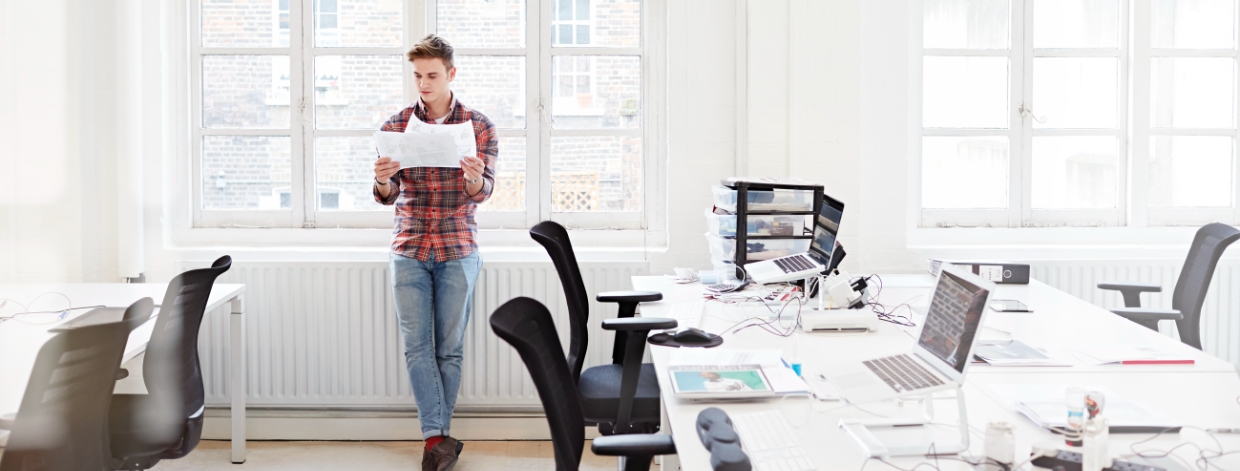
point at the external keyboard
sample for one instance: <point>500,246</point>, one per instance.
<point>768,439</point>
<point>794,263</point>
<point>687,314</point>
<point>902,373</point>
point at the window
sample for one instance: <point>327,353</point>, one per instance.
<point>287,94</point>
<point>1027,106</point>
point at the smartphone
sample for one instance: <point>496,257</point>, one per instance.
<point>1008,305</point>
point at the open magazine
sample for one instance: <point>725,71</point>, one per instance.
<point>719,382</point>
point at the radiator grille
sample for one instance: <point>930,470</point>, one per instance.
<point>324,334</point>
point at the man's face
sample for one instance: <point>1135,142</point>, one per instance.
<point>710,375</point>
<point>432,78</point>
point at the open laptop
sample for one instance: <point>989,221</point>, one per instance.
<point>943,351</point>
<point>813,262</point>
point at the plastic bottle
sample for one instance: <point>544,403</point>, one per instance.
<point>1074,399</point>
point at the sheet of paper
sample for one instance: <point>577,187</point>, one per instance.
<point>723,357</point>
<point>418,150</point>
<point>1105,354</point>
<point>462,135</point>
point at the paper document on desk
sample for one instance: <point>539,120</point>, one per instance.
<point>781,377</point>
<point>1131,355</point>
<point>462,135</point>
<point>1044,405</point>
<point>1014,353</point>
<point>418,150</point>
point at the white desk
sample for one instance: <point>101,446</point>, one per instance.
<point>1203,394</point>
<point>20,341</point>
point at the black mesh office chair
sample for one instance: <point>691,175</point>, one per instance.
<point>1190,289</point>
<point>166,423</point>
<point>608,392</point>
<point>527,326</point>
<point>62,420</point>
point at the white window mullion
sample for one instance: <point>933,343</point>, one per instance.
<point>195,121</point>
<point>301,67</point>
<point>1139,145</point>
<point>536,114</point>
<point>1020,211</point>
<point>543,46</point>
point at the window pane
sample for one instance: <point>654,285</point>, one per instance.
<point>612,23</point>
<point>244,23</point>
<point>965,92</point>
<point>509,193</point>
<point>965,24</point>
<point>1191,171</point>
<point>964,172</point>
<point>344,172</point>
<point>1078,172</point>
<point>246,172</point>
<point>370,23</point>
<point>1076,92</point>
<point>599,173</point>
<point>473,23</point>
<point>245,92</point>
<point>356,92</point>
<point>1075,23</point>
<point>1200,24</point>
<point>494,85</point>
<point>605,92</point>
<point>1192,92</point>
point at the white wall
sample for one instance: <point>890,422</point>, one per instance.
<point>57,141</point>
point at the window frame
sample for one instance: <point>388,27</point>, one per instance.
<point>1143,131</point>
<point>1020,132</point>
<point>421,20</point>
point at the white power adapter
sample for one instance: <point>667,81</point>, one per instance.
<point>837,286</point>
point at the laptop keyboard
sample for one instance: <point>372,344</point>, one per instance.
<point>902,373</point>
<point>795,263</point>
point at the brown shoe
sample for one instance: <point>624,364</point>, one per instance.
<point>443,455</point>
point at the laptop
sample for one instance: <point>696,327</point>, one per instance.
<point>811,263</point>
<point>944,347</point>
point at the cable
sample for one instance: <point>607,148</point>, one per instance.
<point>884,313</point>
<point>26,309</point>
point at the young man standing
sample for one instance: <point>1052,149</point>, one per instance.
<point>434,260</point>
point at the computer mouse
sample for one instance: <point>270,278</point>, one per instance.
<point>693,335</point>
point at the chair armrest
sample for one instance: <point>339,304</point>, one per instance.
<point>639,323</point>
<point>1148,314</point>
<point>629,297</point>
<point>1131,291</point>
<point>636,444</point>
<point>7,420</point>
<point>1126,286</point>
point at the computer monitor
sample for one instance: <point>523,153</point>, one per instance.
<point>953,319</point>
<point>826,228</point>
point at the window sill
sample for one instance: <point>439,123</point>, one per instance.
<point>1055,243</point>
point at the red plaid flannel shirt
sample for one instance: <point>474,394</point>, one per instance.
<point>433,209</point>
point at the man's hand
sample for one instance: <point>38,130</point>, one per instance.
<point>473,167</point>
<point>385,168</point>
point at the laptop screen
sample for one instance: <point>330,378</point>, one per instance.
<point>826,227</point>
<point>953,319</point>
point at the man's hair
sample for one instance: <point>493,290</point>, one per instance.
<point>432,47</point>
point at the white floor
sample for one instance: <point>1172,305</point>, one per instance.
<point>309,456</point>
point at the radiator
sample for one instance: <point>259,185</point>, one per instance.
<point>324,334</point>
<point>1220,332</point>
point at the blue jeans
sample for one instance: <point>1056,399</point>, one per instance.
<point>433,300</point>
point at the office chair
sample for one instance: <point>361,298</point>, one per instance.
<point>608,392</point>
<point>526,325</point>
<point>1190,289</point>
<point>166,423</point>
<point>63,416</point>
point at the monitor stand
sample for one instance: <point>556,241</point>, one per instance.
<point>883,438</point>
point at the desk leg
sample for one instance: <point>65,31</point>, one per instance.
<point>236,387</point>
<point>667,462</point>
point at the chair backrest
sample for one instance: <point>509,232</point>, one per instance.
<point>527,326</point>
<point>1190,290</point>
<point>170,366</point>
<point>62,420</point>
<point>554,238</point>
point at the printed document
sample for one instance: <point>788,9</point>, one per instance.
<point>418,150</point>
<point>462,134</point>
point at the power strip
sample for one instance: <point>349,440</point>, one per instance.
<point>1071,461</point>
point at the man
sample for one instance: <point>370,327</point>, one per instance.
<point>716,383</point>
<point>434,260</point>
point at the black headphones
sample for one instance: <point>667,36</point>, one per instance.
<point>714,428</point>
